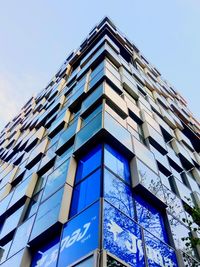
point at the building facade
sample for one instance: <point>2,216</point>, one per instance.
<point>101,168</point>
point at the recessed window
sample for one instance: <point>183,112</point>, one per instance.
<point>117,163</point>
<point>86,192</point>
<point>89,163</point>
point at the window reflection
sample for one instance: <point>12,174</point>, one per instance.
<point>21,236</point>
<point>89,163</point>
<point>122,236</point>
<point>47,214</point>
<point>55,180</point>
<point>174,204</point>
<point>11,222</point>
<point>4,251</point>
<point>86,192</point>
<point>158,253</point>
<point>118,193</point>
<point>117,163</point>
<point>150,180</point>
<point>179,231</point>
<point>150,218</point>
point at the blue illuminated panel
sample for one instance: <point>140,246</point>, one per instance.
<point>47,255</point>
<point>80,236</point>
<point>158,253</point>
<point>117,163</point>
<point>89,163</point>
<point>82,196</point>
<point>122,237</point>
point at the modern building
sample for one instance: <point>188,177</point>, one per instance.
<point>101,168</point>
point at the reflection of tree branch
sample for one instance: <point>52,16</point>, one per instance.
<point>154,186</point>
<point>192,241</point>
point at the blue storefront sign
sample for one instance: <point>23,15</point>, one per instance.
<point>122,237</point>
<point>80,236</point>
<point>47,255</point>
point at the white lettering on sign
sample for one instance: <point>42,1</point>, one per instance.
<point>134,245</point>
<point>77,235</point>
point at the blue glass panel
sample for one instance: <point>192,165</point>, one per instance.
<point>91,115</point>
<point>89,163</point>
<point>56,179</point>
<point>122,237</point>
<point>86,263</point>
<point>4,203</point>
<point>84,193</point>
<point>88,131</point>
<point>118,193</point>
<point>47,214</point>
<point>14,261</point>
<point>158,253</point>
<point>80,236</point>
<point>150,218</point>
<point>4,251</point>
<point>11,222</point>
<point>21,236</point>
<point>47,255</point>
<point>117,163</point>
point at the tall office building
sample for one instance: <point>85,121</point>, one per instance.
<point>102,167</point>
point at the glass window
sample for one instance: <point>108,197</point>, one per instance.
<point>11,222</point>
<point>118,131</point>
<point>21,236</point>
<point>84,193</point>
<point>145,155</point>
<point>47,214</point>
<point>33,205</point>
<point>80,236</point>
<point>14,261</point>
<point>184,192</point>
<point>97,70</point>
<point>117,163</point>
<point>92,98</point>
<point>89,163</point>
<point>67,135</point>
<point>86,263</point>
<point>89,131</point>
<point>4,203</point>
<point>150,218</point>
<point>4,251</point>
<point>174,203</point>
<point>46,255</point>
<point>158,253</point>
<point>68,152</point>
<point>55,180</point>
<point>122,236</point>
<point>91,115</point>
<point>20,191</point>
<point>118,193</point>
<point>176,174</point>
<point>179,231</point>
<point>150,180</point>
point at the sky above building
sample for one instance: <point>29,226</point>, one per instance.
<point>36,36</point>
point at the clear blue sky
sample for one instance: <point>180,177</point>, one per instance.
<point>36,36</point>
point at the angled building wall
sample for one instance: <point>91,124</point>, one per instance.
<point>101,168</point>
